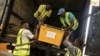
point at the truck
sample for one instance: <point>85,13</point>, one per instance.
<point>12,12</point>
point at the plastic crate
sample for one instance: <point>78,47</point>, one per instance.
<point>51,35</point>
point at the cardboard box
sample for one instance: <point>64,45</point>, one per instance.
<point>51,35</point>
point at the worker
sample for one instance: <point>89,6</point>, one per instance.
<point>43,12</point>
<point>68,21</point>
<point>22,47</point>
<point>73,49</point>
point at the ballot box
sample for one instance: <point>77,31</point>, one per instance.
<point>51,35</point>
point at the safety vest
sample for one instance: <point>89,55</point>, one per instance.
<point>66,21</point>
<point>22,47</point>
<point>78,53</point>
<point>67,53</point>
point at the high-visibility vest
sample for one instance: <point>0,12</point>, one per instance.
<point>78,53</point>
<point>22,47</point>
<point>67,53</point>
<point>66,21</point>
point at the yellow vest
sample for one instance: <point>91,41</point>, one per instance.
<point>78,53</point>
<point>66,21</point>
<point>67,53</point>
<point>22,47</point>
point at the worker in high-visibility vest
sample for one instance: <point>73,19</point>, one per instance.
<point>22,47</point>
<point>77,52</point>
<point>68,20</point>
<point>73,49</point>
<point>43,12</point>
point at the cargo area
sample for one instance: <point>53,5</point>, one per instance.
<point>25,9</point>
<point>18,10</point>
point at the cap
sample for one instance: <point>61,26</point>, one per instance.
<point>60,11</point>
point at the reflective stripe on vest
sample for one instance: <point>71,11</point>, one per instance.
<point>21,55</point>
<point>23,44</point>
<point>66,21</point>
<point>22,47</point>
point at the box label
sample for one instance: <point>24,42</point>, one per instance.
<point>51,34</point>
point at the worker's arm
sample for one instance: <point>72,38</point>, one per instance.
<point>32,37</point>
<point>68,36</point>
<point>36,31</point>
<point>48,14</point>
<point>28,33</point>
<point>38,12</point>
<point>68,44</point>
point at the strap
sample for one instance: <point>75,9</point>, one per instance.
<point>20,55</point>
<point>23,44</point>
<point>20,35</point>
